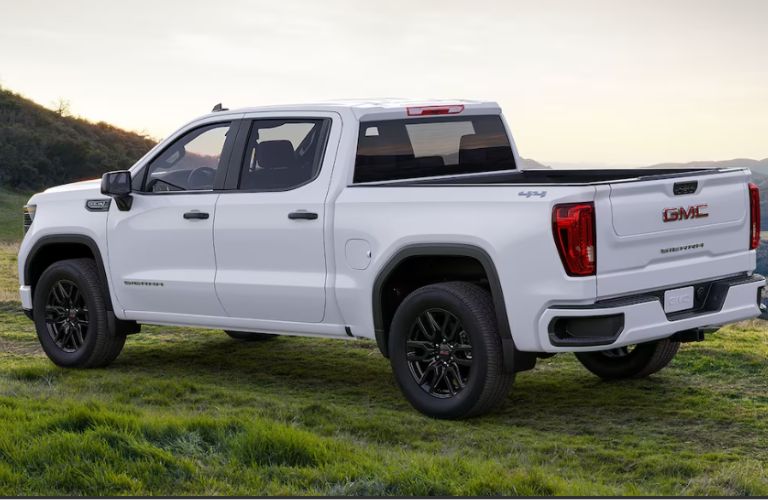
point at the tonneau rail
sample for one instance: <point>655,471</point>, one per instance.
<point>547,177</point>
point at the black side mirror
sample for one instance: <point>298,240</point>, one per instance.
<point>118,185</point>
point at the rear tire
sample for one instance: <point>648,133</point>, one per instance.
<point>641,361</point>
<point>249,336</point>
<point>446,353</point>
<point>70,316</point>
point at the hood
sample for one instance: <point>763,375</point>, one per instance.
<point>76,186</point>
<point>76,190</point>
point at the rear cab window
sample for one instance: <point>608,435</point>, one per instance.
<point>425,147</point>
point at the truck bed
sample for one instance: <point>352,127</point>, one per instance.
<point>560,177</point>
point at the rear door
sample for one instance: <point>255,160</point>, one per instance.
<point>673,230</point>
<point>269,232</point>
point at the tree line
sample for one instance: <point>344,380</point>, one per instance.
<point>40,148</point>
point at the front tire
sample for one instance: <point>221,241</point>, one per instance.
<point>70,316</point>
<point>446,353</point>
<point>636,361</point>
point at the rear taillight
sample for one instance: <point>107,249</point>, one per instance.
<point>754,216</point>
<point>573,225</point>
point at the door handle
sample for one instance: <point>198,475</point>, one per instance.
<point>302,214</point>
<point>196,215</point>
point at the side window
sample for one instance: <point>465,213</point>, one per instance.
<point>283,154</point>
<point>190,163</point>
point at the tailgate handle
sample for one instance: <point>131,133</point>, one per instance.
<point>688,187</point>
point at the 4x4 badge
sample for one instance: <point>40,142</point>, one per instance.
<point>528,194</point>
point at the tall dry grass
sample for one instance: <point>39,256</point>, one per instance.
<point>9,281</point>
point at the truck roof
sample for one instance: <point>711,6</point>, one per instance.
<point>392,106</point>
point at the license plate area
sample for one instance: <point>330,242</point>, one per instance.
<point>678,299</point>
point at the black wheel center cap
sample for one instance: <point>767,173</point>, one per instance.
<point>444,351</point>
<point>72,315</point>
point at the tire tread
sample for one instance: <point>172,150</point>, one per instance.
<point>662,356</point>
<point>647,359</point>
<point>107,343</point>
<point>479,304</point>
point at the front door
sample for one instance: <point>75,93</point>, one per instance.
<point>161,253</point>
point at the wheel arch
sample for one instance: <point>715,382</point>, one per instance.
<point>53,248</point>
<point>443,250</point>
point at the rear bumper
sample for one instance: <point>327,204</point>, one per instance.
<point>641,318</point>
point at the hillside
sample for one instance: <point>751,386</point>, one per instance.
<point>40,148</point>
<point>529,164</point>
<point>759,170</point>
<point>759,165</point>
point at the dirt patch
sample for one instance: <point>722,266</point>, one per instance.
<point>20,348</point>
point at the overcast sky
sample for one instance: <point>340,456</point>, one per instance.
<point>614,82</point>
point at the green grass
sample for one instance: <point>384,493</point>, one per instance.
<point>11,222</point>
<point>9,283</point>
<point>192,412</point>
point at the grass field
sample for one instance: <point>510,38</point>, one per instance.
<point>11,204</point>
<point>188,412</point>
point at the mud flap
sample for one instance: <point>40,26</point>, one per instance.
<point>514,360</point>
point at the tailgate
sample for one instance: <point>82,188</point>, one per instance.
<point>672,230</point>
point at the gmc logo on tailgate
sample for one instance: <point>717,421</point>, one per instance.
<point>682,213</point>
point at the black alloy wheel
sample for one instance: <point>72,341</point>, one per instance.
<point>439,353</point>
<point>66,316</point>
<point>71,311</point>
<point>445,351</point>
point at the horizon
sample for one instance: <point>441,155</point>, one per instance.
<point>565,165</point>
<point>588,83</point>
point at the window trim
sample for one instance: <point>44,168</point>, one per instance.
<point>235,170</point>
<point>235,125</point>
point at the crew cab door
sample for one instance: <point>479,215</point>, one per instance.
<point>269,232</point>
<point>161,254</point>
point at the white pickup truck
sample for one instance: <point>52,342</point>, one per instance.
<point>405,222</point>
